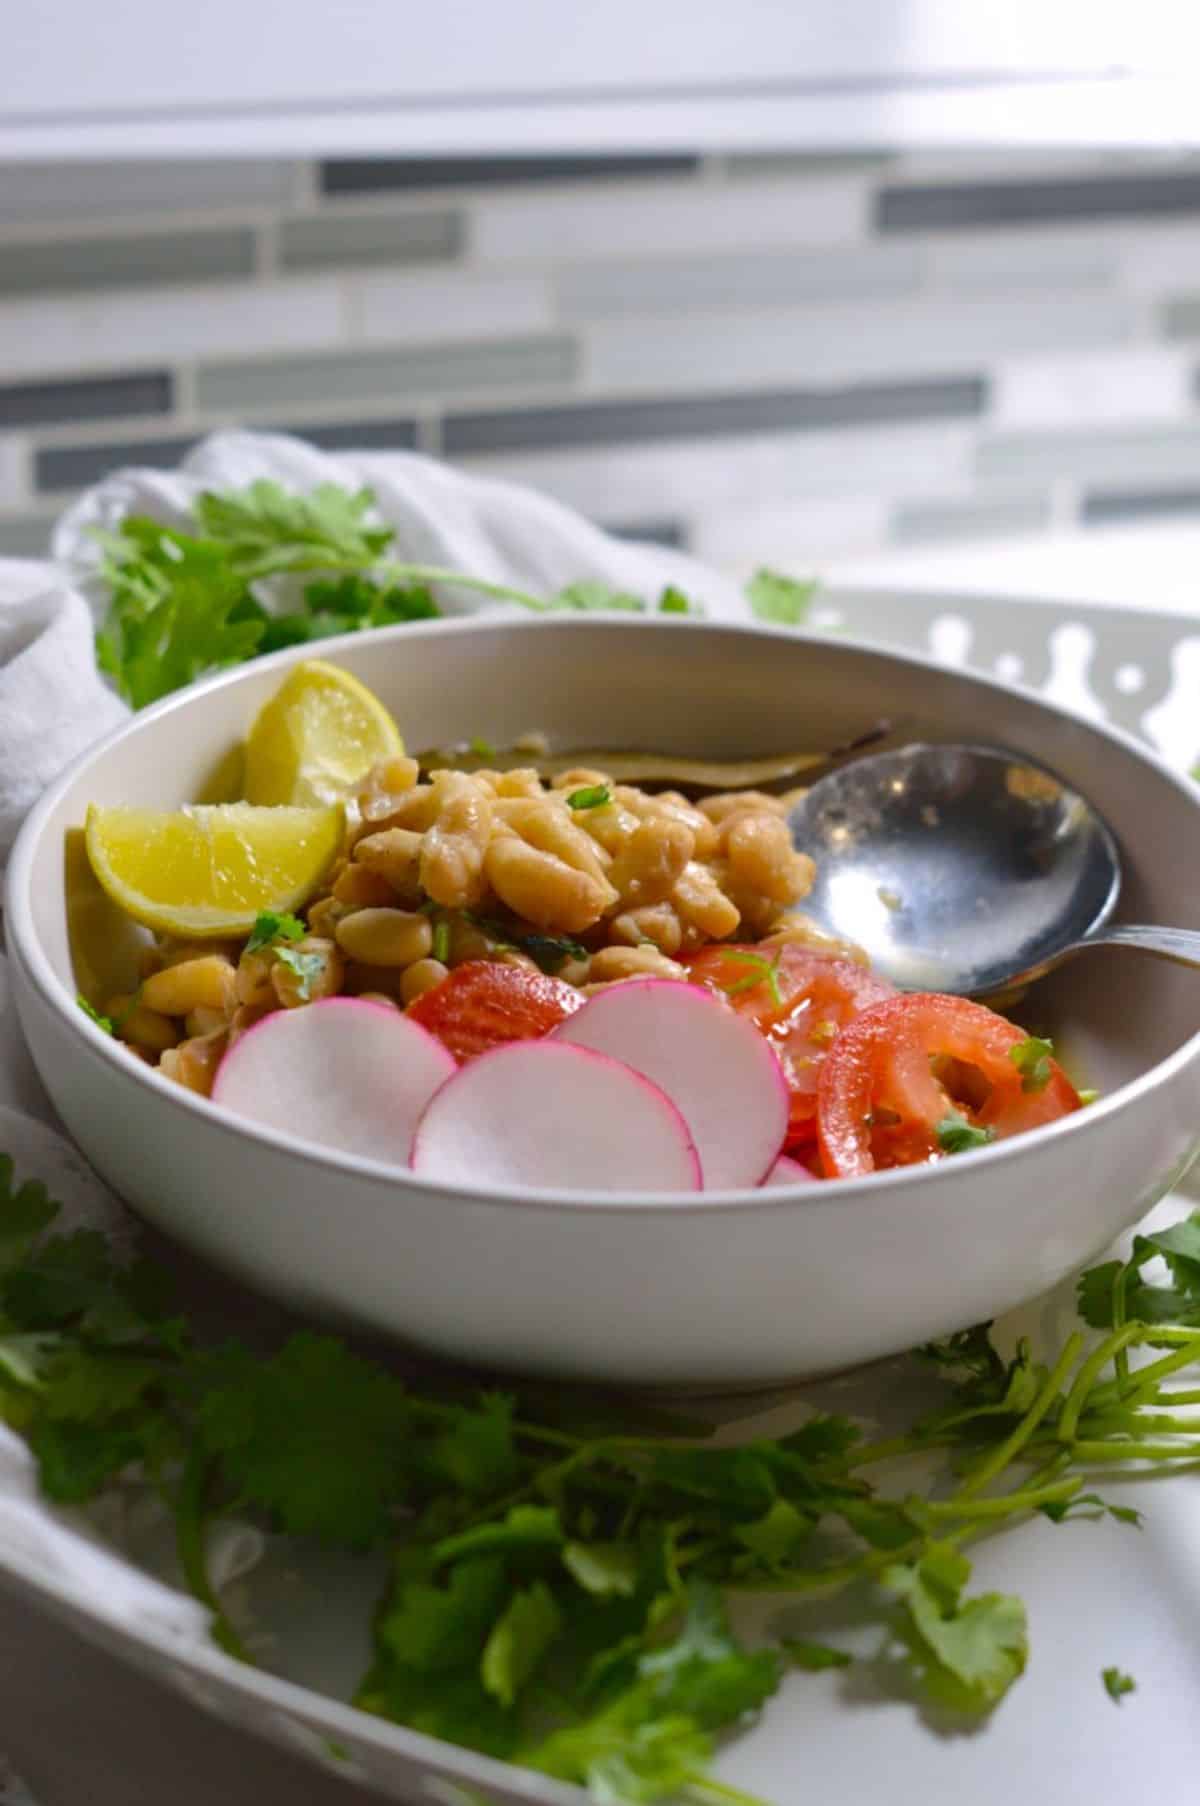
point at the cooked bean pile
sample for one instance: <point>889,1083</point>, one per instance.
<point>490,865</point>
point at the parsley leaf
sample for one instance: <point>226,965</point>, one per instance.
<point>270,927</point>
<point>1117,1685</point>
<point>957,1136</point>
<point>591,796</point>
<point>1032,1059</point>
<point>779,599</point>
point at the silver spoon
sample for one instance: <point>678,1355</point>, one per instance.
<point>965,869</point>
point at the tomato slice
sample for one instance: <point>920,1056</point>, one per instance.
<point>905,1066</point>
<point>800,1000</point>
<point>482,1004</point>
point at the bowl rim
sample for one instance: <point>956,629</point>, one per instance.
<point>25,942</point>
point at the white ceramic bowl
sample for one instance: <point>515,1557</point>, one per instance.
<point>720,1289</point>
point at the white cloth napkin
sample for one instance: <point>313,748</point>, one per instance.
<point>54,703</point>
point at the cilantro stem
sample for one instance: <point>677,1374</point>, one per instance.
<point>1027,1498</point>
<point>1133,1449</point>
<point>1146,1381</point>
<point>191,1525</point>
<point>1000,1458</point>
<point>703,1787</point>
<point>396,572</point>
<point>1088,1374</point>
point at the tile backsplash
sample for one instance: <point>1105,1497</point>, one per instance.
<point>762,358</point>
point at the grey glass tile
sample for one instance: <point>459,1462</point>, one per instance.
<point>372,376</point>
<point>749,279</point>
<point>805,163</point>
<point>671,533</point>
<point>74,466</point>
<point>207,254</point>
<point>375,175</point>
<point>363,435</point>
<point>610,422</point>
<point>1181,319</point>
<point>958,206</point>
<point>1163,457</point>
<point>983,517</point>
<point>85,398</point>
<point>325,240</point>
<point>33,193</point>
<point>1131,504</point>
<point>25,535</point>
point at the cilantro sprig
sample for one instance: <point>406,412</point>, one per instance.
<point>560,1579</point>
<point>1033,1059</point>
<point>182,603</point>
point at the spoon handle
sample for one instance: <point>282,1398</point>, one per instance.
<point>1180,944</point>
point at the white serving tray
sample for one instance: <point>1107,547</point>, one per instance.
<point>1098,1593</point>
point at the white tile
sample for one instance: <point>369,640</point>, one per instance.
<point>14,471</point>
<point>1048,257</point>
<point>1159,261</point>
<point>397,307</point>
<point>1100,388</point>
<point>798,536</point>
<point>688,477</point>
<point>668,217</point>
<point>131,329</point>
<point>837,344</point>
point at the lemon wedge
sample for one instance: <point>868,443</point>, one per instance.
<point>209,870</point>
<point>318,736</point>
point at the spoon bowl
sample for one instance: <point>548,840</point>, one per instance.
<point>955,867</point>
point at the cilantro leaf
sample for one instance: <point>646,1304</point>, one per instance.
<point>589,595</point>
<point>268,528</point>
<point>780,599</point>
<point>1033,1060</point>
<point>1089,1505</point>
<point>435,1628</point>
<point>604,1569</point>
<point>958,1136</point>
<point>591,796</point>
<point>25,1211</point>
<point>967,1652</point>
<point>673,602</point>
<point>519,1639</point>
<point>308,968</point>
<point>524,1527</point>
<point>778,1535</point>
<point>102,1022</point>
<point>270,927</point>
<point>315,1435</point>
<point>813,1657</point>
<point>1117,1685</point>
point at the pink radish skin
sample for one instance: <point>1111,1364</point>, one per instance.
<point>545,1115</point>
<point>787,1171</point>
<point>714,1065</point>
<point>350,1076</point>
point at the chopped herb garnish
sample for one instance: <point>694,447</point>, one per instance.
<point>269,927</point>
<point>1032,1059</point>
<point>764,971</point>
<point>308,967</point>
<point>441,940</point>
<point>592,796</point>
<point>1088,1096</point>
<point>104,1022</point>
<point>781,600</point>
<point>482,749</point>
<point>674,602</point>
<point>958,1136</point>
<point>1117,1685</point>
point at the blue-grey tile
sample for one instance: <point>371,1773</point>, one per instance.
<point>600,291</point>
<point>207,254</point>
<point>372,376</point>
<point>1181,318</point>
<point>754,164</point>
<point>327,240</point>
<point>671,533</point>
<point>1102,505</point>
<point>85,398</point>
<point>59,467</point>
<point>363,435</point>
<point>695,416</point>
<point>25,535</point>
<point>34,193</point>
<point>959,206</point>
<point>977,517</point>
<point>377,175</point>
<point>1161,457</point>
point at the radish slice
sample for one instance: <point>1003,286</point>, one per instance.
<point>346,1074</point>
<point>712,1063</point>
<point>787,1171</point>
<point>540,1113</point>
